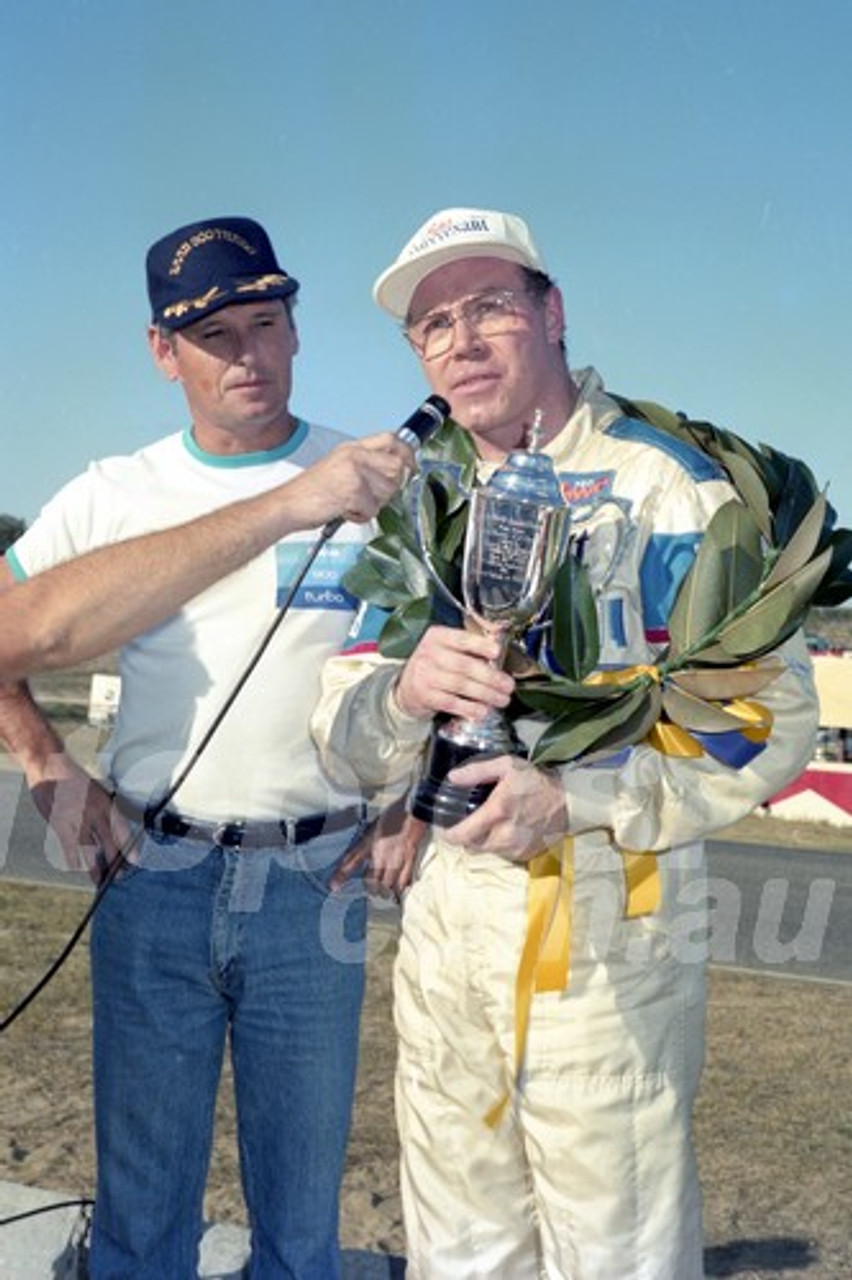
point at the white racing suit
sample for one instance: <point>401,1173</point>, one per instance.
<point>591,1171</point>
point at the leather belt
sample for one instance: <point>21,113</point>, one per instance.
<point>244,835</point>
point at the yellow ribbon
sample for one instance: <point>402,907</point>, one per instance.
<point>546,956</point>
<point>642,882</point>
<point>756,717</point>
<point>672,739</point>
<point>623,675</point>
<point>545,959</point>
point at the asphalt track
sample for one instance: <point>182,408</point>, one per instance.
<point>778,911</point>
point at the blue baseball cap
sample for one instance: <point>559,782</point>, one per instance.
<point>208,265</point>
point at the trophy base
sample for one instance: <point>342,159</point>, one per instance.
<point>443,803</point>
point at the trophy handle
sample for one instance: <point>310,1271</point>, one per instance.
<point>616,538</point>
<point>417,486</point>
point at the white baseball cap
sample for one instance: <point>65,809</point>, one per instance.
<point>450,234</point>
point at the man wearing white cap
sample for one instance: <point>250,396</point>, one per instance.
<point>590,1170</point>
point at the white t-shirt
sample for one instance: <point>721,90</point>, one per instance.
<point>261,763</point>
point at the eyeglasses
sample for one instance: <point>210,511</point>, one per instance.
<point>488,314</point>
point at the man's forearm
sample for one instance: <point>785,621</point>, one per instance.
<point>96,602</point>
<point>362,738</point>
<point>26,732</point>
<point>100,600</point>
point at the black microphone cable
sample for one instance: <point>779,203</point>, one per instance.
<point>154,810</point>
<point>431,415</point>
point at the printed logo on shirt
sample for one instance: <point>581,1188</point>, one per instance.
<point>589,489</point>
<point>322,587</point>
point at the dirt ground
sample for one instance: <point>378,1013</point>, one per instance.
<point>774,1122</point>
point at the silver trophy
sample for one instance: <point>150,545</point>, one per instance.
<point>516,539</point>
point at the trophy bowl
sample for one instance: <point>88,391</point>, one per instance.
<point>516,539</point>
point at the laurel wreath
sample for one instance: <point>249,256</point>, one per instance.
<point>766,558</point>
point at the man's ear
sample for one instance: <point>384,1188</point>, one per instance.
<point>554,315</point>
<point>162,347</point>
<point>294,331</point>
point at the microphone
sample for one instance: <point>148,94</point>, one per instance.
<point>432,414</point>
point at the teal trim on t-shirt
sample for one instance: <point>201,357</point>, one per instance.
<point>19,573</point>
<point>297,439</point>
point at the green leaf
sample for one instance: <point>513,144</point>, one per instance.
<point>404,628</point>
<point>746,479</point>
<point>734,682</point>
<point>576,643</point>
<point>726,569</point>
<point>831,594</point>
<point>712,654</point>
<point>451,533</point>
<point>561,697</point>
<point>451,443</point>
<point>801,546</point>
<point>658,415</point>
<point>773,467</point>
<point>377,575</point>
<point>417,579</point>
<point>795,497</point>
<point>427,497</point>
<point>632,730</point>
<point>395,521</point>
<point>609,726</point>
<point>710,439</point>
<point>438,533</point>
<point>777,614</point>
<point>697,714</point>
<point>840,543</point>
<point>440,507</point>
<point>454,495</point>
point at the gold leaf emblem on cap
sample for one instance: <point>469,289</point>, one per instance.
<point>261,283</point>
<point>178,309</point>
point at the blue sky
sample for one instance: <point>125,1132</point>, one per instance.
<point>684,166</point>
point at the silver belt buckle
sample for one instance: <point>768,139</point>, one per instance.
<point>229,835</point>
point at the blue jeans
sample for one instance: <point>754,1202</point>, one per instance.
<point>189,946</point>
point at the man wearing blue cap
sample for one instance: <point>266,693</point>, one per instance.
<point>223,926</point>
